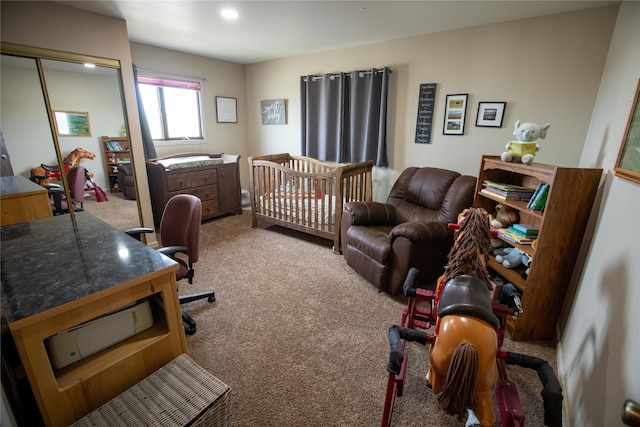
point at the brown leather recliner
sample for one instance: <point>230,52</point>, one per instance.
<point>382,241</point>
<point>125,181</point>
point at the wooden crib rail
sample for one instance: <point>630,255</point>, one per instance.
<point>305,194</point>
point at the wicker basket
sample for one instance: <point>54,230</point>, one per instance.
<point>181,393</point>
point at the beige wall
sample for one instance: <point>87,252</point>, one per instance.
<point>599,351</point>
<point>546,69</point>
<point>47,25</point>
<point>219,78</point>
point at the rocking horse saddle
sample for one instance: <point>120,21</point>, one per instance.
<point>50,168</point>
<point>467,295</point>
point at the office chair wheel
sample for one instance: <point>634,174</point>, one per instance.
<point>212,298</point>
<point>189,329</point>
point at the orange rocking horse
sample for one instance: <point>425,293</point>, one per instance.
<point>464,345</point>
<point>44,174</point>
<point>465,360</point>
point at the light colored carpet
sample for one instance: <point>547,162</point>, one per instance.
<point>301,338</point>
<point>121,213</point>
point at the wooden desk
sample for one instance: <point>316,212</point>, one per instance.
<point>22,200</point>
<point>58,273</point>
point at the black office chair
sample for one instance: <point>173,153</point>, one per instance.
<point>179,233</point>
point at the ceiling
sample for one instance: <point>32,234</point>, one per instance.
<point>267,30</point>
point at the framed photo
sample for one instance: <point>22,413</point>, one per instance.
<point>490,114</point>
<point>273,111</point>
<point>628,163</point>
<point>226,110</point>
<point>72,123</point>
<point>455,114</point>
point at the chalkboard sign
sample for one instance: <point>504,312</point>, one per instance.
<point>273,112</point>
<point>426,99</point>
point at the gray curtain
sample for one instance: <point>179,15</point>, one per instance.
<point>147,140</point>
<point>344,116</point>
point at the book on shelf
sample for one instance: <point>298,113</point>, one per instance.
<point>517,197</point>
<point>539,199</point>
<point>113,145</point>
<point>527,230</point>
<point>506,191</point>
<point>507,186</point>
<point>511,235</point>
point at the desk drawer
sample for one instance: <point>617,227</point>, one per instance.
<point>182,181</point>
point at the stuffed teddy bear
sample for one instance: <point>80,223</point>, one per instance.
<point>524,148</point>
<point>511,257</point>
<point>504,217</point>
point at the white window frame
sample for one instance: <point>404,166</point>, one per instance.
<point>167,80</point>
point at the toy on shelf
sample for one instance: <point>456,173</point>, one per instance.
<point>524,148</point>
<point>511,257</point>
<point>503,217</point>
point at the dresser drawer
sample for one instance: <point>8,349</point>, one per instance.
<point>182,181</point>
<point>209,192</point>
<point>210,208</point>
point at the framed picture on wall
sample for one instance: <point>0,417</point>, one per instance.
<point>490,114</point>
<point>455,114</point>
<point>628,163</point>
<point>273,112</point>
<point>72,123</point>
<point>226,110</point>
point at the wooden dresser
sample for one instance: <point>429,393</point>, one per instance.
<point>213,178</point>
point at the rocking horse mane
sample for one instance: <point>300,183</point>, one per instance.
<point>459,387</point>
<point>471,247</point>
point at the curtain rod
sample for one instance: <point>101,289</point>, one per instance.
<point>348,74</point>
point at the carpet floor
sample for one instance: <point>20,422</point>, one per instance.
<point>300,337</point>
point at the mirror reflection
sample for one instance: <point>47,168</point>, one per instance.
<point>91,96</point>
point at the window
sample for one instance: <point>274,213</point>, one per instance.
<point>172,107</point>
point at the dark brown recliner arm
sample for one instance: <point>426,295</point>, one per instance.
<point>422,232</point>
<point>370,213</point>
<point>424,244</point>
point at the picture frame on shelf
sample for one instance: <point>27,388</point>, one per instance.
<point>226,109</point>
<point>455,114</point>
<point>628,162</point>
<point>490,114</point>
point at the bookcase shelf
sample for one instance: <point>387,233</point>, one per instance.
<point>562,225</point>
<point>115,151</point>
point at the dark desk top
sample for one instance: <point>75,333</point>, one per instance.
<point>18,185</point>
<point>49,262</point>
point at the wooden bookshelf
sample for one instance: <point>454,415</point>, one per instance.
<point>562,226</point>
<point>115,150</point>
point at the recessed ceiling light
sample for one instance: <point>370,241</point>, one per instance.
<point>229,14</point>
<point>89,65</point>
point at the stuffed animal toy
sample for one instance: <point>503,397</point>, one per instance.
<point>503,217</point>
<point>524,148</point>
<point>511,257</point>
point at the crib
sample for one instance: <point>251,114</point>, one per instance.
<point>305,194</point>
